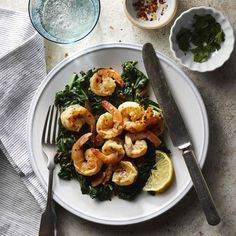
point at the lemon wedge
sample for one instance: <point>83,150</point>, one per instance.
<point>161,175</point>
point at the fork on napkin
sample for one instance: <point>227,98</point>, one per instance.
<point>22,68</point>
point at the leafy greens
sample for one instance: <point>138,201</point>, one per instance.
<point>78,92</point>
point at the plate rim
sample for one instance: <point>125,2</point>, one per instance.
<point>73,57</point>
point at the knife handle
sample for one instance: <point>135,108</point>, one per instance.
<point>201,188</point>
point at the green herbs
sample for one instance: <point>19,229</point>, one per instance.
<point>205,37</point>
<point>78,92</point>
<point>135,85</point>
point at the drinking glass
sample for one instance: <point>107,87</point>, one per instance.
<point>64,21</point>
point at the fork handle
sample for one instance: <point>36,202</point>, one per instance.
<point>48,219</point>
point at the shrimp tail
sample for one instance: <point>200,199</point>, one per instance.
<point>104,158</point>
<point>82,140</point>
<point>147,134</point>
<point>108,106</point>
<point>117,116</point>
<point>153,138</point>
<point>119,81</point>
<point>108,173</point>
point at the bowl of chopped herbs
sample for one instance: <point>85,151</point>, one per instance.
<point>202,39</point>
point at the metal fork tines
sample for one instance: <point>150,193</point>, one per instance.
<point>50,130</point>
<point>49,136</point>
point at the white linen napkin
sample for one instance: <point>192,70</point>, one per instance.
<point>22,68</point>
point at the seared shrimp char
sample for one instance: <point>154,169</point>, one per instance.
<point>75,116</point>
<point>112,151</point>
<point>85,163</point>
<point>109,124</point>
<point>152,117</point>
<point>102,83</point>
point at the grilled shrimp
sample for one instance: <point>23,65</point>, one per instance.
<point>125,174</point>
<point>85,163</point>
<point>138,149</point>
<point>109,124</point>
<point>112,151</point>
<point>136,119</point>
<point>154,121</point>
<point>104,176</point>
<point>108,173</point>
<point>132,114</point>
<point>102,83</point>
<point>153,117</point>
<point>146,134</point>
<point>75,116</point>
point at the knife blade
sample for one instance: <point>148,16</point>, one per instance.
<point>177,130</point>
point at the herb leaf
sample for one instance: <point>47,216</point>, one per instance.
<point>200,54</point>
<point>183,39</point>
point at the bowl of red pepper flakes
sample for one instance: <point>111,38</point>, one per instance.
<point>150,14</point>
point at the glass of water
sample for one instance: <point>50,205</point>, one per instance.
<point>64,21</point>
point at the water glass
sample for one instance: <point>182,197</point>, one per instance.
<point>64,21</point>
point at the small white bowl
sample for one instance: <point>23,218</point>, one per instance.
<point>161,21</point>
<point>218,58</point>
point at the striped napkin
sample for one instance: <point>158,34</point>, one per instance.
<point>22,68</point>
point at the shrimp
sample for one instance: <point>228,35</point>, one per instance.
<point>154,121</point>
<point>75,116</point>
<point>108,173</point>
<point>147,134</point>
<point>132,114</point>
<point>152,117</point>
<point>125,173</point>
<point>104,176</point>
<point>85,163</point>
<point>112,151</point>
<point>109,124</point>
<point>136,119</point>
<point>102,83</point>
<point>138,149</point>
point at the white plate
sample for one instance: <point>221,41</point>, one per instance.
<point>117,211</point>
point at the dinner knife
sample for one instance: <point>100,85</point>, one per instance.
<point>178,132</point>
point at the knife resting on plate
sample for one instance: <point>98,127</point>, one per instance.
<point>178,132</point>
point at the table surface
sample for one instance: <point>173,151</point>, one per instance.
<point>218,90</point>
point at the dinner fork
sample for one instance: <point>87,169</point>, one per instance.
<point>48,141</point>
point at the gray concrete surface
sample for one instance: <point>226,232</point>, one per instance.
<point>218,90</point>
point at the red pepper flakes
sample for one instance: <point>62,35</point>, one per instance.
<point>147,9</point>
